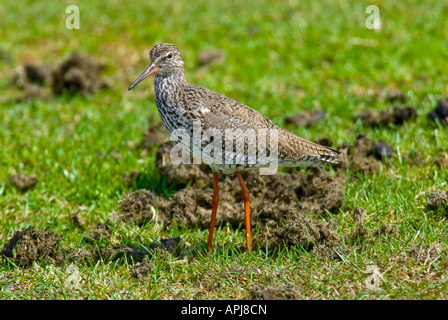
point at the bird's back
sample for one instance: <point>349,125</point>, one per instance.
<point>218,112</point>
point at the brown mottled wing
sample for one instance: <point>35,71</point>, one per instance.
<point>220,112</point>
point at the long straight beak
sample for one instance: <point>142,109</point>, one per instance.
<point>149,71</point>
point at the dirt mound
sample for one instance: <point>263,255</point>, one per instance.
<point>77,219</point>
<point>398,115</point>
<point>101,254</point>
<point>137,207</point>
<point>440,161</point>
<point>23,182</point>
<point>306,119</point>
<point>32,72</point>
<point>172,246</point>
<point>275,292</point>
<point>440,112</point>
<point>34,79</point>
<point>298,229</point>
<point>101,232</point>
<point>391,94</point>
<point>324,142</point>
<point>365,155</point>
<point>78,73</point>
<point>437,200</point>
<point>271,198</point>
<point>30,245</point>
<point>142,269</point>
<point>379,149</point>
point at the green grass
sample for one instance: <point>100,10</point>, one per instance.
<point>282,58</point>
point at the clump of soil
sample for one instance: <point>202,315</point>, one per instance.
<point>142,269</point>
<point>325,142</point>
<point>306,119</point>
<point>320,191</point>
<point>437,200</point>
<point>298,229</point>
<point>189,207</point>
<point>78,73</point>
<point>101,232</point>
<point>440,112</point>
<point>440,161</point>
<point>391,94</point>
<point>275,292</point>
<point>30,245</point>
<point>172,246</point>
<point>78,219</point>
<point>32,73</point>
<point>398,115</point>
<point>137,207</point>
<point>384,230</point>
<point>103,254</point>
<point>365,155</point>
<point>22,181</point>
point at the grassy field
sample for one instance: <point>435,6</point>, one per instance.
<point>281,57</point>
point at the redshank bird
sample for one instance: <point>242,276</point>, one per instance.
<point>187,107</point>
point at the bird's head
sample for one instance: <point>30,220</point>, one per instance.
<point>165,60</point>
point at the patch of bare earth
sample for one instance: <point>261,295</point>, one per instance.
<point>22,181</point>
<point>365,156</point>
<point>78,73</point>
<point>33,245</point>
<point>437,200</point>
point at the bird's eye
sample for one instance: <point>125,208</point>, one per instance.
<point>169,55</point>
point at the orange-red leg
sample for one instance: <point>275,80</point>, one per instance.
<point>246,199</point>
<point>214,211</point>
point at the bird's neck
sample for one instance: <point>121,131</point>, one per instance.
<point>172,82</point>
<point>169,91</point>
